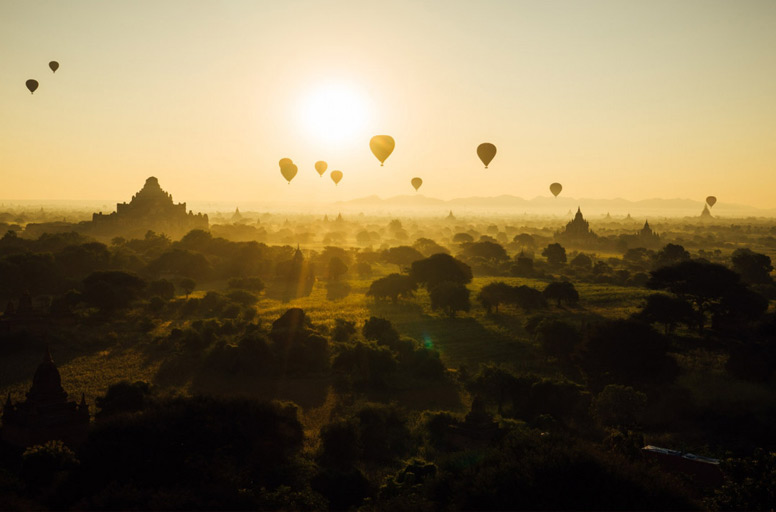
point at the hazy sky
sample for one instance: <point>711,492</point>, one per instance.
<point>633,99</point>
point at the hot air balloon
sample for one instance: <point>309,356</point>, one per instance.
<point>711,200</point>
<point>416,182</point>
<point>54,65</point>
<point>382,147</point>
<point>555,188</point>
<point>289,171</point>
<point>284,162</point>
<point>31,85</point>
<point>336,176</point>
<point>321,167</point>
<point>486,151</point>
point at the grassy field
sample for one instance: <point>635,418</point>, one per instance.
<point>110,353</point>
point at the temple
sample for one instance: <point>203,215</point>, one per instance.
<point>577,231</point>
<point>151,209</point>
<point>46,414</point>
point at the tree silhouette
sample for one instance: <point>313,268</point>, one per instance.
<point>555,254</point>
<point>440,268</point>
<point>561,291</point>
<point>392,287</point>
<point>450,296</point>
<point>710,288</point>
<point>494,294</point>
<point>754,268</point>
<point>667,310</point>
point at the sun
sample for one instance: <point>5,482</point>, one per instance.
<point>334,113</point>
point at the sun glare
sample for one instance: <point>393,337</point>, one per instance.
<point>334,113</point>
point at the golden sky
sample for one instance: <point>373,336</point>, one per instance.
<point>620,98</point>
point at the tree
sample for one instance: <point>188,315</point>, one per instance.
<point>112,289</point>
<point>627,352</point>
<point>618,406</point>
<point>493,294</point>
<point>462,238</point>
<point>582,261</point>
<point>380,330</point>
<point>162,288</point>
<point>671,254</point>
<point>710,288</point>
<point>450,297</point>
<point>402,255</point>
<point>754,268</point>
<point>337,268</point>
<point>343,330</point>
<point>555,254</point>
<point>528,298</point>
<point>485,250</point>
<point>187,285</point>
<point>561,291</point>
<point>440,268</point>
<point>558,338</point>
<point>428,247</point>
<point>668,311</point>
<point>392,286</point>
<point>253,284</point>
<point>123,397</point>
<point>181,262</point>
<point>524,240</point>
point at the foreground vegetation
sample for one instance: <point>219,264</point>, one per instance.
<point>235,374</point>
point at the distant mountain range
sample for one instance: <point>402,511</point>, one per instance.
<point>559,206</point>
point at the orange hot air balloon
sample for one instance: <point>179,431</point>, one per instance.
<point>336,176</point>
<point>555,188</point>
<point>54,65</point>
<point>416,182</point>
<point>289,171</point>
<point>31,85</point>
<point>382,147</point>
<point>284,162</point>
<point>711,200</point>
<point>486,151</point>
<point>321,167</point>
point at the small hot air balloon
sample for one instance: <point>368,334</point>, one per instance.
<point>289,171</point>
<point>555,188</point>
<point>382,147</point>
<point>321,167</point>
<point>486,151</point>
<point>31,85</point>
<point>416,182</point>
<point>284,162</point>
<point>711,200</point>
<point>54,65</point>
<point>336,176</point>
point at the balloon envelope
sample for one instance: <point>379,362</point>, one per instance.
<point>711,200</point>
<point>321,167</point>
<point>289,171</point>
<point>416,182</point>
<point>284,162</point>
<point>382,147</point>
<point>336,176</point>
<point>555,188</point>
<point>54,65</point>
<point>32,85</point>
<point>486,151</point>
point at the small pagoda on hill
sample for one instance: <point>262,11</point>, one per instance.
<point>46,414</point>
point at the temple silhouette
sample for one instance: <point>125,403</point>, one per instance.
<point>46,414</point>
<point>577,231</point>
<point>151,209</point>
